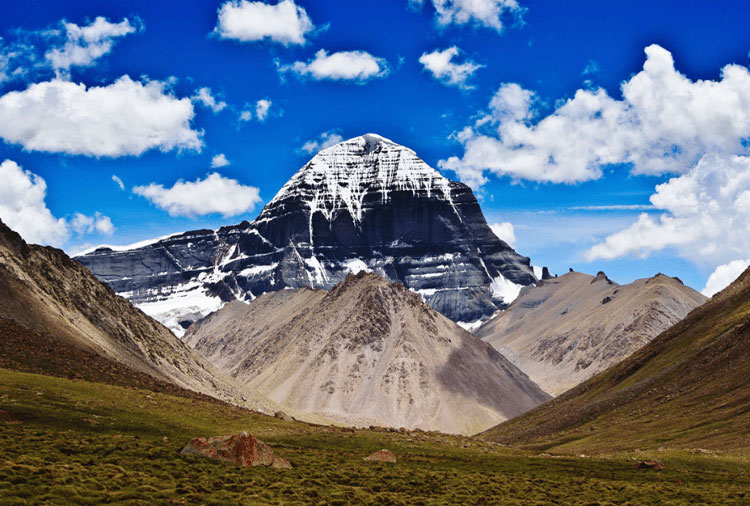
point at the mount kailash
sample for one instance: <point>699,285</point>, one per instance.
<point>364,204</point>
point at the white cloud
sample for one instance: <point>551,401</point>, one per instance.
<point>16,59</point>
<point>483,13</point>
<point>723,276</point>
<point>441,65</point>
<point>705,217</point>
<point>219,160</point>
<point>261,109</point>
<point>124,118</point>
<point>355,66</point>
<point>85,44</point>
<point>505,232</point>
<point>324,140</point>
<point>22,206</point>
<point>97,224</point>
<point>118,181</point>
<point>204,97</point>
<point>23,209</point>
<point>664,124</point>
<point>214,194</point>
<point>284,22</point>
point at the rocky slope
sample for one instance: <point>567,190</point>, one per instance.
<point>44,291</point>
<point>366,352</point>
<point>687,388</point>
<point>569,328</point>
<point>364,204</point>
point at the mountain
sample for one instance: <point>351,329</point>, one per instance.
<point>366,352</point>
<point>567,329</point>
<point>364,204</point>
<point>45,293</point>
<point>687,388</point>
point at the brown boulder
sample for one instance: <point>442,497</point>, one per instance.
<point>243,449</point>
<point>283,416</point>
<point>649,464</point>
<point>382,456</point>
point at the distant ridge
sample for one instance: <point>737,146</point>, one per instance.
<point>569,328</point>
<point>687,388</point>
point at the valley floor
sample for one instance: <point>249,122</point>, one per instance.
<point>66,441</point>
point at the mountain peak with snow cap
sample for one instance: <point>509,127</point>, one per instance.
<point>364,204</point>
<point>339,178</point>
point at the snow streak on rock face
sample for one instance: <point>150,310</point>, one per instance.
<point>339,178</point>
<point>364,204</point>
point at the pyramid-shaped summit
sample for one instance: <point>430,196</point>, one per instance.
<point>363,204</point>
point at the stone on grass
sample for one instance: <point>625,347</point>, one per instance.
<point>242,449</point>
<point>649,464</point>
<point>283,416</point>
<point>382,456</point>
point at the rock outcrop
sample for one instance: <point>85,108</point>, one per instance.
<point>364,204</point>
<point>367,352</point>
<point>381,456</point>
<point>242,449</point>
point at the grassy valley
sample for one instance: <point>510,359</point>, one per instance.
<point>66,441</point>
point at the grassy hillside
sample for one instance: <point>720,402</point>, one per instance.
<point>688,388</point>
<point>66,441</point>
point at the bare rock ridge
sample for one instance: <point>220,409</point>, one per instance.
<point>364,204</point>
<point>43,290</point>
<point>367,352</point>
<point>567,329</point>
<point>686,388</point>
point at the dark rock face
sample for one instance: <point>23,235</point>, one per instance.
<point>364,204</point>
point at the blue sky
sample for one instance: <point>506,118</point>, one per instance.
<point>560,208</point>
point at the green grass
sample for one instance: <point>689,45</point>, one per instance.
<point>88,443</point>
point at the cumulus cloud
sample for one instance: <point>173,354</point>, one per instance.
<point>705,216</point>
<point>442,67</point>
<point>204,97</point>
<point>22,206</point>
<point>124,118</point>
<point>53,51</point>
<point>505,232</point>
<point>663,124</point>
<point>324,140</point>
<point>214,194</point>
<point>85,44</point>
<point>17,60</point>
<point>723,276</point>
<point>260,110</point>
<point>481,13</point>
<point>355,66</point>
<point>219,160</point>
<point>96,224</point>
<point>285,22</point>
<point>118,181</point>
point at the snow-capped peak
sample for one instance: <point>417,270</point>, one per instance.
<point>339,177</point>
